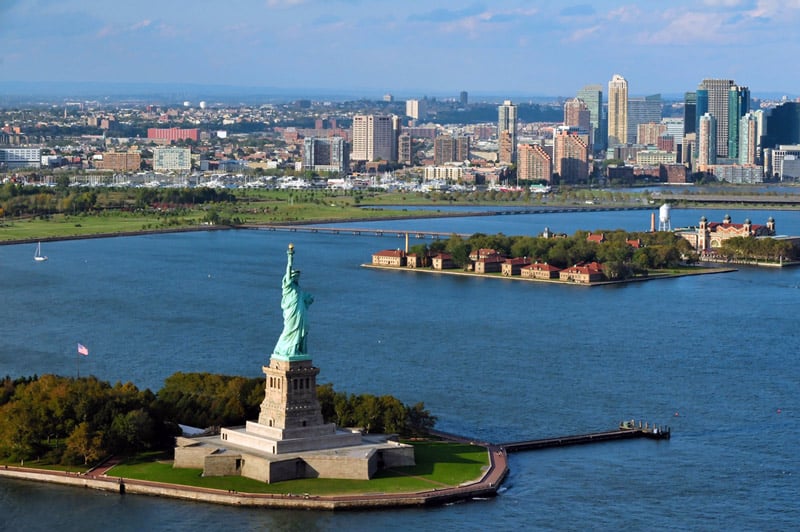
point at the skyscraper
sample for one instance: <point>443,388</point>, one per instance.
<point>570,155</point>
<point>507,123</point>
<point>617,111</point>
<point>715,98</point>
<point>463,98</point>
<point>748,138</point>
<point>738,106</point>
<point>373,138</point>
<point>415,109</point>
<point>534,163</point>
<point>592,95</point>
<point>643,110</point>
<point>577,114</point>
<point>325,154</point>
<point>706,141</point>
<point>689,112</point>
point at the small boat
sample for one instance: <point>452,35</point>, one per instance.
<point>38,257</point>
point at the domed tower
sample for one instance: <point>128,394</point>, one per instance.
<point>748,227</point>
<point>702,235</point>
<point>771,225</point>
<point>727,219</point>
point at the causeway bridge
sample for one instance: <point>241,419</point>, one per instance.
<point>355,231</point>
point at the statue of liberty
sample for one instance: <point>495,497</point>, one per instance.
<point>294,302</point>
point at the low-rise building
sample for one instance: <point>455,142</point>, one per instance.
<point>582,273</point>
<point>443,261</point>
<point>514,266</point>
<point>389,257</point>
<point>539,270</point>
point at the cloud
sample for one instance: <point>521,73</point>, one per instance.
<point>583,33</point>
<point>283,3</point>
<point>579,10</point>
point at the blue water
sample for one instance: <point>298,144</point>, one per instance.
<point>495,359</point>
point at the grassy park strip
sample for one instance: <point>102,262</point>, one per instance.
<point>439,465</point>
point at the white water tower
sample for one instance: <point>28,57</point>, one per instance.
<point>663,218</point>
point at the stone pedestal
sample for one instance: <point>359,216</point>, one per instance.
<point>291,417</point>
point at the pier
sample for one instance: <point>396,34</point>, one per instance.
<point>654,433</point>
<point>627,430</point>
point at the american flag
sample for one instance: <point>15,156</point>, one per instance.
<point>83,350</point>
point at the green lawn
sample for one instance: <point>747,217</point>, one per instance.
<point>439,465</point>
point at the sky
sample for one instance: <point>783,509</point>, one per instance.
<point>409,48</point>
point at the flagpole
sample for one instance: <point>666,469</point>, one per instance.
<point>77,366</point>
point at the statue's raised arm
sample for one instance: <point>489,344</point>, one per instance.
<point>294,303</point>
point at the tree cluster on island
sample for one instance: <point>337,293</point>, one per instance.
<point>70,421</point>
<point>620,260</point>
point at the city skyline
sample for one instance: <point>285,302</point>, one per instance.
<point>410,49</point>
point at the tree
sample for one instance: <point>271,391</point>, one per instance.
<point>84,443</point>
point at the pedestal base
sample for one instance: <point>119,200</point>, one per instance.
<point>272,440</point>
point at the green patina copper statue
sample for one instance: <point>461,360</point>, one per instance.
<point>294,302</point>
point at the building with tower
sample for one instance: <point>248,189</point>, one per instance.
<point>592,96</point>
<point>507,124</point>
<point>617,111</point>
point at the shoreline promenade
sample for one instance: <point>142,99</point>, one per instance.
<point>98,479</point>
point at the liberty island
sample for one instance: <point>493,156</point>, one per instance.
<point>290,439</point>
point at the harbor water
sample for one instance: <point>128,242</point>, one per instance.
<point>712,356</point>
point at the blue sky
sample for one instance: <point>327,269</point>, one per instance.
<point>410,48</point>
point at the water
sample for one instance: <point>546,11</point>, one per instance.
<point>495,359</point>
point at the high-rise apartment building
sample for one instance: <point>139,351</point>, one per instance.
<point>415,109</point>
<point>373,138</point>
<point>642,110</point>
<point>463,99</point>
<point>327,154</point>
<point>577,114</point>
<point>570,155</point>
<point>738,106</point>
<point>713,97</point>
<point>617,111</point>
<point>404,151</point>
<point>707,141</point>
<point>648,134</point>
<point>534,163</point>
<point>507,123</point>
<point>592,96</point>
<point>748,138</point>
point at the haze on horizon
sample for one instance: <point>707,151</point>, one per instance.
<point>410,48</point>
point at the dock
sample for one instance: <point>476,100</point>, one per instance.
<point>654,433</point>
<point>627,430</point>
